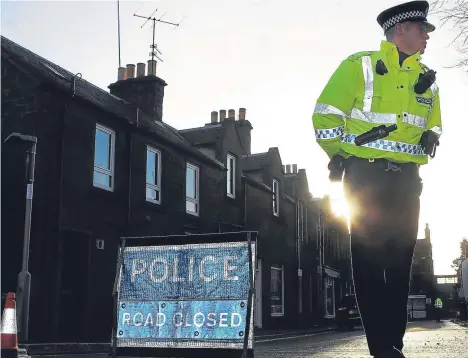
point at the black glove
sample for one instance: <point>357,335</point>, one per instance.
<point>336,167</point>
<point>429,142</point>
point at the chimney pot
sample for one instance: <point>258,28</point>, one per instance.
<point>122,74</point>
<point>222,115</point>
<point>214,117</point>
<point>242,114</point>
<point>231,114</point>
<point>152,67</point>
<point>288,168</point>
<point>130,71</point>
<point>141,69</point>
<point>294,168</point>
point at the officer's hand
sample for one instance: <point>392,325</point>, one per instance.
<point>336,168</point>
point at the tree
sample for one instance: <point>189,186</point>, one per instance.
<point>464,254</point>
<point>456,13</point>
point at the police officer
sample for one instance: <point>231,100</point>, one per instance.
<point>391,90</point>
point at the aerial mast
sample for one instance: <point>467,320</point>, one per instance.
<point>154,49</point>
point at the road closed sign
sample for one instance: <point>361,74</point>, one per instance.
<point>186,295</point>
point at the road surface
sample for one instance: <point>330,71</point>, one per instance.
<point>423,340</point>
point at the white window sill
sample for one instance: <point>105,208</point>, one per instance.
<point>277,315</point>
<point>103,187</point>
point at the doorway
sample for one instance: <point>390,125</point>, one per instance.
<point>73,286</point>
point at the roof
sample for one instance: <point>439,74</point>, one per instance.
<point>255,161</point>
<point>257,183</point>
<point>63,80</point>
<point>202,135</point>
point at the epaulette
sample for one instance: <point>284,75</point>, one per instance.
<point>358,55</point>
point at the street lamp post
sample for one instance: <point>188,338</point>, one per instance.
<point>24,277</point>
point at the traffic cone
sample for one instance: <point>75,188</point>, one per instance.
<point>9,331</point>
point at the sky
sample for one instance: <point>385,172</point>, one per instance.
<point>271,57</point>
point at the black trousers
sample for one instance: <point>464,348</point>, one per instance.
<point>384,204</point>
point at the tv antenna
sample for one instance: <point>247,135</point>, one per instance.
<point>154,48</point>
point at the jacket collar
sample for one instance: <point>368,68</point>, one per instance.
<point>390,51</point>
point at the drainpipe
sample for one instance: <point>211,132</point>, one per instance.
<point>129,179</point>
<point>61,148</point>
<point>320,268</point>
<point>245,203</point>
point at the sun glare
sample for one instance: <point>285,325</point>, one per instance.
<point>338,201</point>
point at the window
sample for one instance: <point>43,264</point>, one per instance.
<point>275,197</point>
<point>277,291</point>
<point>446,280</point>
<point>231,176</point>
<point>104,149</point>
<point>329,297</point>
<point>153,175</point>
<point>192,189</point>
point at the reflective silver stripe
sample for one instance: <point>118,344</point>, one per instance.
<point>386,145</point>
<point>437,130</point>
<point>330,133</point>
<point>321,108</point>
<point>373,117</point>
<point>414,120</point>
<point>434,89</point>
<point>368,83</point>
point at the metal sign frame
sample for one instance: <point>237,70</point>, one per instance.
<point>247,350</point>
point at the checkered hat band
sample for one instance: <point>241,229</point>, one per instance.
<point>402,17</point>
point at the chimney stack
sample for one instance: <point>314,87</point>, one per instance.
<point>144,92</point>
<point>122,74</point>
<point>141,69</point>
<point>214,117</point>
<point>294,168</point>
<point>130,71</point>
<point>288,168</point>
<point>152,67</point>
<point>427,232</point>
<point>231,114</point>
<point>222,115</point>
<point>242,114</point>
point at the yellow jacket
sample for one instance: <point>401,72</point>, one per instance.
<point>357,98</point>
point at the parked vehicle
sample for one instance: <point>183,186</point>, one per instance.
<point>348,314</point>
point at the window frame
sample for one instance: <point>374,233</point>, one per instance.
<point>281,269</point>
<point>110,172</point>
<point>156,186</point>
<point>196,201</point>
<point>229,171</point>
<point>276,197</point>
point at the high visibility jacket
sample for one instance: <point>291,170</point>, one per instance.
<point>438,303</point>
<point>357,98</point>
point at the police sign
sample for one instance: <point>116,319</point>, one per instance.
<point>174,294</point>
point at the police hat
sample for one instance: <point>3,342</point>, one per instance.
<point>409,11</point>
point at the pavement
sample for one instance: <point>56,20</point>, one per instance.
<point>425,339</point>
